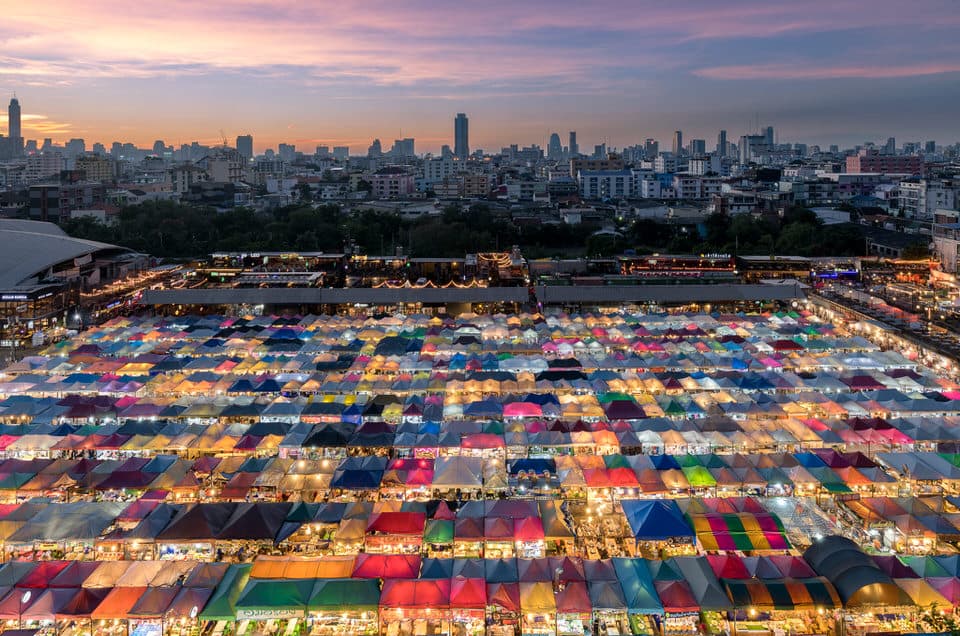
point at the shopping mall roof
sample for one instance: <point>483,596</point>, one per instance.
<point>29,249</point>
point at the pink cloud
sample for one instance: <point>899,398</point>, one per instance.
<point>794,72</point>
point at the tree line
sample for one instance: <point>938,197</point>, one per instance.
<point>169,229</point>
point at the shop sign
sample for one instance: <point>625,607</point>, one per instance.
<point>268,614</point>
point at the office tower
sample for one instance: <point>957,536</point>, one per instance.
<point>322,152</point>
<point>573,148</point>
<point>554,148</point>
<point>930,147</point>
<point>341,152</point>
<point>677,142</point>
<point>75,147</point>
<point>13,127</point>
<point>768,136</point>
<point>600,151</point>
<point>461,139</point>
<point>375,151</point>
<point>287,152</point>
<point>890,148</point>
<point>722,143</point>
<point>245,146</point>
<point>698,147</point>
<point>404,148</point>
<point>651,148</point>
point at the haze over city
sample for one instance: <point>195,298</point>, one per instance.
<point>618,72</point>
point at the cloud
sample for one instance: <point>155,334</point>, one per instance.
<point>814,72</point>
<point>40,125</point>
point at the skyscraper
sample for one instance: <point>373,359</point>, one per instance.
<point>722,143</point>
<point>677,142</point>
<point>245,146</point>
<point>554,147</point>
<point>461,139</point>
<point>573,148</point>
<point>375,151</point>
<point>768,136</point>
<point>15,133</point>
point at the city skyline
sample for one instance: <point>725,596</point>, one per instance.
<point>616,72</point>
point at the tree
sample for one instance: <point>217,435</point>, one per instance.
<point>916,251</point>
<point>306,194</point>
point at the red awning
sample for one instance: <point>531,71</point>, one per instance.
<point>504,595</point>
<point>415,594</point>
<point>468,593</point>
<point>397,523</point>
<point>574,599</point>
<point>386,566</point>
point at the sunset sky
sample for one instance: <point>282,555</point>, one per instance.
<point>342,73</point>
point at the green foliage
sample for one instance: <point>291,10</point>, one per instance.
<point>170,229</point>
<point>916,251</point>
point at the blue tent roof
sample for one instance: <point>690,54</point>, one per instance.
<point>655,519</point>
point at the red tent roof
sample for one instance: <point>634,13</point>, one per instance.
<point>416,594</point>
<point>407,523</point>
<point>574,599</point>
<point>468,593</point>
<point>386,566</point>
<point>504,595</point>
<point>41,575</point>
<point>676,597</point>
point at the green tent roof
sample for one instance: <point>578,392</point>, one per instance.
<point>345,594</point>
<point>265,595</point>
<point>221,606</point>
<point>438,531</point>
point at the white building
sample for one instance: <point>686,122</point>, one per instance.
<point>921,198</point>
<point>43,165</point>
<point>605,184</point>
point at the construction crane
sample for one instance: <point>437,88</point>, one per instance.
<point>223,139</point>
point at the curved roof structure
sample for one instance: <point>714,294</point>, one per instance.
<point>29,249</point>
<point>857,577</point>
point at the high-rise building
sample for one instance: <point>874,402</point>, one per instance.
<point>13,127</point>
<point>930,147</point>
<point>461,137</point>
<point>341,153</point>
<point>554,147</point>
<point>651,148</point>
<point>697,147</point>
<point>890,148</point>
<point>768,136</point>
<point>677,142</point>
<point>572,147</point>
<point>287,152</point>
<point>722,143</point>
<point>375,151</point>
<point>404,148</point>
<point>245,146</point>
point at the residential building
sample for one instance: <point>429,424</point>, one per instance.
<point>919,198</point>
<point>578,164</point>
<point>605,184</point>
<point>96,167</point>
<point>44,165</point>
<point>391,183</point>
<point>183,176</point>
<point>870,160</point>
<point>55,201</point>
